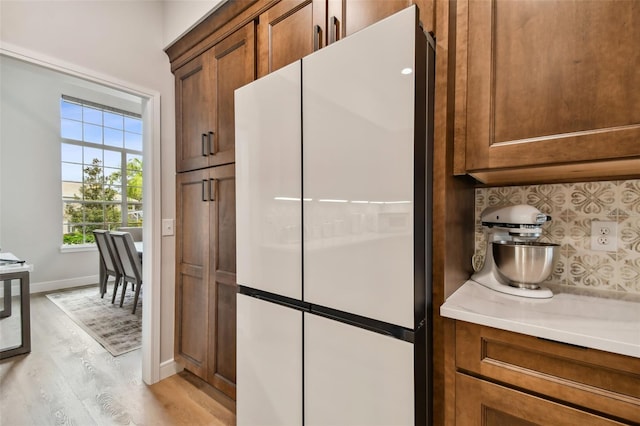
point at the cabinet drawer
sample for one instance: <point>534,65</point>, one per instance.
<point>479,402</point>
<point>599,381</point>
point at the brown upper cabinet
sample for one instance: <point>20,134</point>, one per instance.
<point>204,101</point>
<point>288,31</point>
<point>293,29</point>
<point>345,17</point>
<point>547,89</point>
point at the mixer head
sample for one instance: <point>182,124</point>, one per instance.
<point>519,220</point>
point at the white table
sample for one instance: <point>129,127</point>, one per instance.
<point>8,273</point>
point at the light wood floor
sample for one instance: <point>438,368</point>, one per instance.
<point>69,379</point>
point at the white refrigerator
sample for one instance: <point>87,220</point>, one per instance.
<point>333,205</point>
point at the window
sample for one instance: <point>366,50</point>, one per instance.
<point>101,169</point>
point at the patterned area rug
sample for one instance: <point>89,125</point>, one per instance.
<point>115,328</point>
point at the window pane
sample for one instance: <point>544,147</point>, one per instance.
<point>113,193</point>
<point>71,153</point>
<point>113,120</point>
<point>134,159</point>
<point>92,133</point>
<point>94,212</point>
<point>133,141</point>
<point>71,190</point>
<point>71,172</point>
<point>73,213</point>
<point>134,193</point>
<point>92,156</point>
<point>71,129</point>
<point>133,125</point>
<point>134,214</point>
<point>70,110</point>
<point>134,177</point>
<point>112,159</point>
<point>113,213</point>
<point>93,183</point>
<point>112,176</point>
<point>92,115</point>
<point>113,137</point>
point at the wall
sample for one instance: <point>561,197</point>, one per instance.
<point>30,206</point>
<point>573,207</point>
<point>122,40</point>
<point>180,16</point>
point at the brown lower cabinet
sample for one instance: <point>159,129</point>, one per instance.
<point>205,341</point>
<point>505,378</point>
<point>480,402</point>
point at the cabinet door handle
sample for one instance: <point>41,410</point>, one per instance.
<point>204,190</point>
<point>317,37</point>
<point>212,143</point>
<point>205,150</point>
<point>333,32</point>
<point>212,189</point>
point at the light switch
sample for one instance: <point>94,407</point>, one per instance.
<point>167,227</point>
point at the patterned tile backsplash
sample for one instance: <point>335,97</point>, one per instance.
<point>572,207</point>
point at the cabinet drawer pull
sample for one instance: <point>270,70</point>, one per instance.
<point>204,190</point>
<point>212,189</point>
<point>333,31</point>
<point>213,148</point>
<point>205,150</point>
<point>317,37</point>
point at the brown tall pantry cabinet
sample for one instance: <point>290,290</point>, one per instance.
<point>205,204</point>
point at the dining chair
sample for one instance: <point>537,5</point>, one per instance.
<point>131,264</point>
<point>110,261</point>
<point>135,231</point>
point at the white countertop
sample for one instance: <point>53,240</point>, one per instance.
<point>606,324</point>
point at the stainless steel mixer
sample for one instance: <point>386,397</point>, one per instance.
<point>515,263</point>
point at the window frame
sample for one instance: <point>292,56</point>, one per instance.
<point>124,153</point>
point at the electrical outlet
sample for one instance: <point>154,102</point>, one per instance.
<point>604,235</point>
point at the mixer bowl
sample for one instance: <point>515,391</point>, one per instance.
<point>524,264</point>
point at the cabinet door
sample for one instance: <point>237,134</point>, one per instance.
<point>222,279</point>
<point>479,402</point>
<point>192,270</point>
<point>205,128</point>
<point>288,31</point>
<point>537,84</point>
<point>232,66</point>
<point>600,381</point>
<point>345,17</point>
<point>195,114</point>
<point>355,377</point>
<point>269,364</point>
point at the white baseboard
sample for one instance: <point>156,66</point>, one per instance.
<point>52,285</point>
<point>169,368</point>
<point>62,284</point>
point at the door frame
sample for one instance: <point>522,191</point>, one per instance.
<point>150,100</point>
